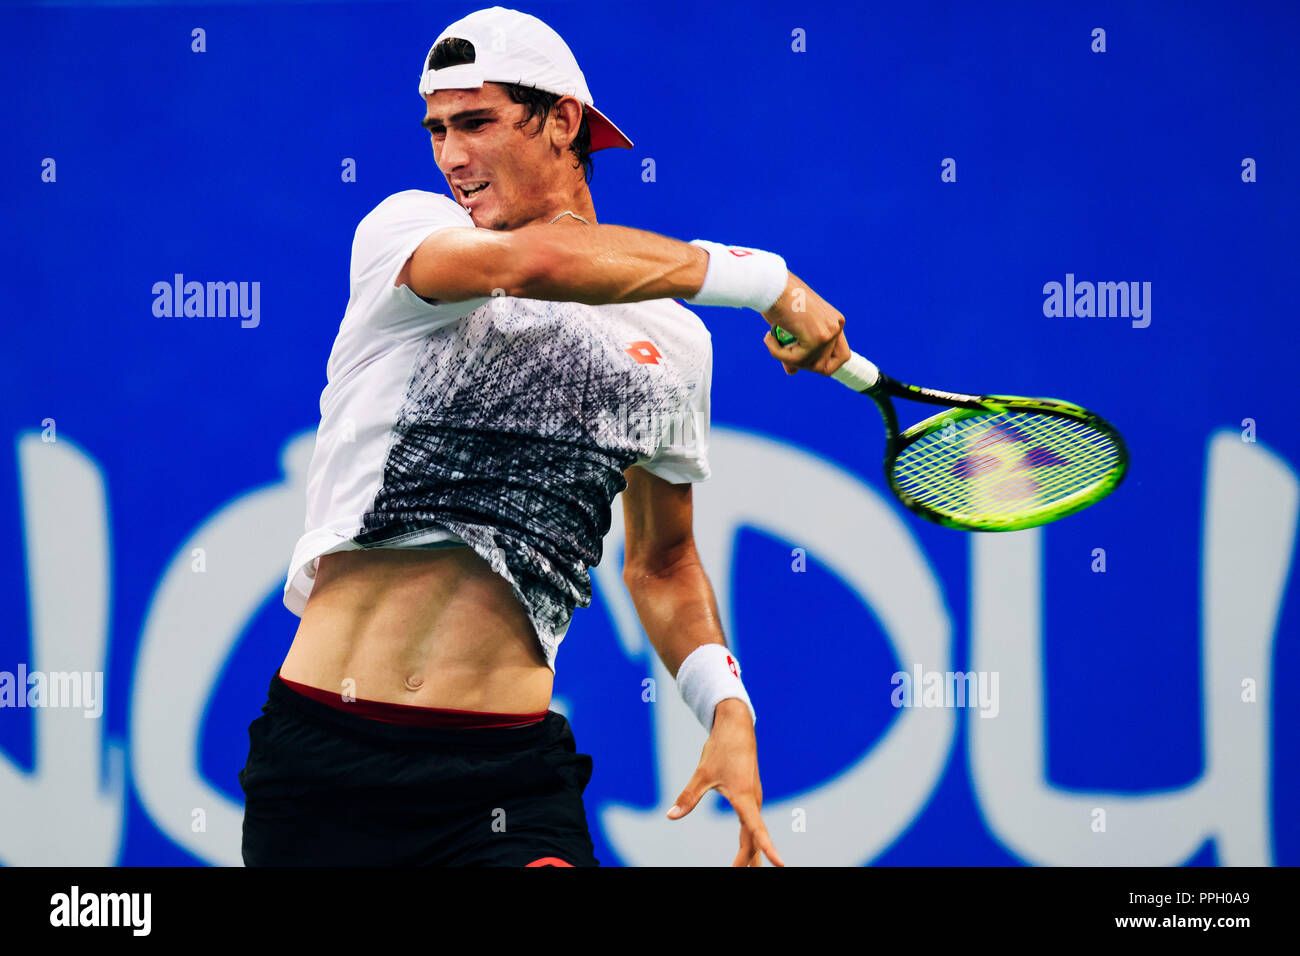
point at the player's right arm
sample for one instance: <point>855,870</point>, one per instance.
<point>604,264</point>
<point>595,265</point>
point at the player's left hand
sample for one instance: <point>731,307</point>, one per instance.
<point>729,764</point>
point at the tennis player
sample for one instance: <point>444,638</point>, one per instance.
<point>473,438</point>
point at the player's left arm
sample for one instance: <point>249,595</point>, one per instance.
<point>677,608</point>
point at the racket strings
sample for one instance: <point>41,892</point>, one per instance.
<point>1001,470</point>
<point>999,465</point>
<point>1088,449</point>
<point>1005,464</point>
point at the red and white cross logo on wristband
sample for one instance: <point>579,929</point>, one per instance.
<point>731,662</point>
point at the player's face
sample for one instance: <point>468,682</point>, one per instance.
<point>486,146</point>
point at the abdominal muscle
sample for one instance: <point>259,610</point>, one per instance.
<point>425,628</point>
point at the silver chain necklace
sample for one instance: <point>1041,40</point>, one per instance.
<point>567,213</point>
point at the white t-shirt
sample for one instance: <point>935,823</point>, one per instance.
<point>503,424</point>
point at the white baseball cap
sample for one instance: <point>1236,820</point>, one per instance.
<point>513,47</point>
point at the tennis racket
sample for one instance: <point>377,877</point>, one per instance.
<point>990,462</point>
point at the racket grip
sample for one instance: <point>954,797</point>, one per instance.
<point>857,373</point>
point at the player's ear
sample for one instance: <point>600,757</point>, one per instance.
<point>567,115</point>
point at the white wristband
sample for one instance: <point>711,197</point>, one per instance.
<point>740,277</point>
<point>711,674</point>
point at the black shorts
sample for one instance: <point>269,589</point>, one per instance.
<point>323,787</point>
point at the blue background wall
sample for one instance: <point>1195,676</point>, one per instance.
<point>1123,165</point>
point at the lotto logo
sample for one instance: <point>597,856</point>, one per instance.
<point>644,352</point>
<point>731,662</point>
<point>741,252</point>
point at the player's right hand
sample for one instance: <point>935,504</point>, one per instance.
<point>817,326</point>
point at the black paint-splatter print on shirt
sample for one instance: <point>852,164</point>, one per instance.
<point>501,424</point>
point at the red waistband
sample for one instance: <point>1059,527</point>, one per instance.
<point>413,716</point>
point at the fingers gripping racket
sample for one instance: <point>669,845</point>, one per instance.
<point>990,462</point>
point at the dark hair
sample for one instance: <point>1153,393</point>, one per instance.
<point>454,51</point>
